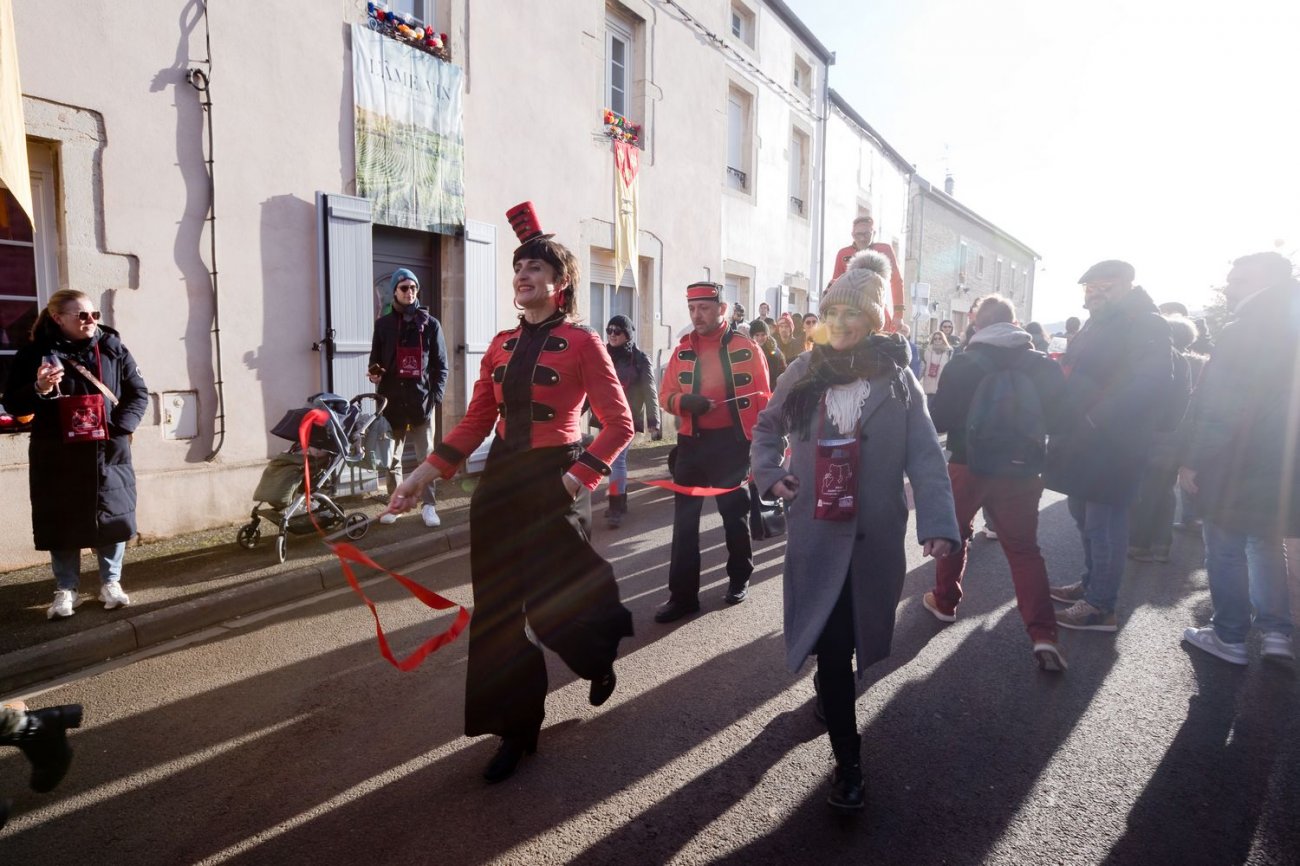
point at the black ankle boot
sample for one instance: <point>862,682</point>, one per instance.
<point>848,791</point>
<point>509,754</point>
<point>617,509</point>
<point>602,687</point>
<point>43,739</point>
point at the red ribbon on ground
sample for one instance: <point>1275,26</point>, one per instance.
<point>348,553</point>
<point>666,484</point>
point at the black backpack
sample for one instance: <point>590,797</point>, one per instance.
<point>1006,429</point>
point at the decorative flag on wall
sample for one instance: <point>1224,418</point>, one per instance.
<point>14,172</point>
<point>410,134</point>
<point>627,162</point>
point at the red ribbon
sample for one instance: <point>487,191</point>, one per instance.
<point>348,553</point>
<point>691,491</point>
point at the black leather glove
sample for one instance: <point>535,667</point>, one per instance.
<point>693,404</point>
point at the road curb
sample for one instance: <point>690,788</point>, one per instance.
<point>74,652</point>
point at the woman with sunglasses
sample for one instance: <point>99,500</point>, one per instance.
<point>537,581</point>
<point>87,395</point>
<point>638,380</point>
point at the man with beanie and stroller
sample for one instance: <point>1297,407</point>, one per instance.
<point>408,361</point>
<point>638,380</point>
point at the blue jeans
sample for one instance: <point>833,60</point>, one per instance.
<point>618,473</point>
<point>66,565</point>
<point>1104,529</point>
<point>1246,571</point>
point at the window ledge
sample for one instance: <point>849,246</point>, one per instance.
<point>619,128</point>
<point>408,30</point>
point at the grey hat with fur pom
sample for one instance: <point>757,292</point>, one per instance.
<point>861,286</point>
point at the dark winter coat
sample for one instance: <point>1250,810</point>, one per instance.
<point>410,401</point>
<point>1119,374</point>
<point>1241,429</point>
<point>775,361</point>
<point>1006,346</point>
<point>83,493</point>
<point>637,377</point>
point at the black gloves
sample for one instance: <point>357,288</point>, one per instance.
<point>693,404</point>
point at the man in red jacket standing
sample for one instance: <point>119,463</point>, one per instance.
<point>716,383</point>
<point>864,229</point>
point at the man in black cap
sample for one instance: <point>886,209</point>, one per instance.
<point>1119,383</point>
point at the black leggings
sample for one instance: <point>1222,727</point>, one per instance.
<point>835,667</point>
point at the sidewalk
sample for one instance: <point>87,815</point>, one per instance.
<point>194,581</point>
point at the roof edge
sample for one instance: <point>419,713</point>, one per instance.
<point>943,198</point>
<point>838,100</point>
<point>786,14</point>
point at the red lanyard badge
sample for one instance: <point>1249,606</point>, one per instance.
<point>836,472</point>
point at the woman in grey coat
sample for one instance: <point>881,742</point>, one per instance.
<point>856,420</point>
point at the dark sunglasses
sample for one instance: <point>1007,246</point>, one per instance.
<point>92,316</point>
<point>407,287</point>
<point>616,332</point>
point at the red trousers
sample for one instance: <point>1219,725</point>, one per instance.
<point>1012,504</point>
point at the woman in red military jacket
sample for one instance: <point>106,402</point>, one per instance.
<point>532,565</point>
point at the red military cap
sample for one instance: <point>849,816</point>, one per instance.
<point>523,219</point>
<point>704,291</point>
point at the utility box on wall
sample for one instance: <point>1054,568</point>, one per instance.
<point>180,414</point>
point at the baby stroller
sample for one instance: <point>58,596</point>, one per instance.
<point>338,443</point>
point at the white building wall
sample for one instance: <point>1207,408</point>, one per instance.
<point>111,97</point>
<point>762,237</point>
<point>533,132</point>
<point>126,131</point>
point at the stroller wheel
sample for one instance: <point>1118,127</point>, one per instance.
<point>249,535</point>
<point>281,547</point>
<point>356,525</point>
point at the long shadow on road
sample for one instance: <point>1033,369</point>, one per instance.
<point>949,760</point>
<point>1232,769</point>
<point>446,814</point>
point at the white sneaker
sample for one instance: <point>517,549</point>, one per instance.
<point>387,518</point>
<point>65,600</point>
<point>1277,646</point>
<point>430,515</point>
<point>1206,639</point>
<point>112,596</point>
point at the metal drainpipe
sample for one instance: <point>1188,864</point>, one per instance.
<point>199,80</point>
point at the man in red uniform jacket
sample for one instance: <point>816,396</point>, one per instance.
<point>716,383</point>
<point>864,228</point>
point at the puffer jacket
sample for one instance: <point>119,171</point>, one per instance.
<point>83,493</point>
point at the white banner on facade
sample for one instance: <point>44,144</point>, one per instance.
<point>409,133</point>
<point>13,135</point>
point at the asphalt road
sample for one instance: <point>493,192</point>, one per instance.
<point>286,739</point>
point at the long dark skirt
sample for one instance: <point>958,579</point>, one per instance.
<point>532,564</point>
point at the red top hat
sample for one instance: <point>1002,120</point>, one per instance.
<point>704,291</point>
<point>523,219</point>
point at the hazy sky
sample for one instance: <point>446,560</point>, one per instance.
<point>1165,133</point>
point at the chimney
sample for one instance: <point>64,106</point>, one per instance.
<point>947,183</point>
